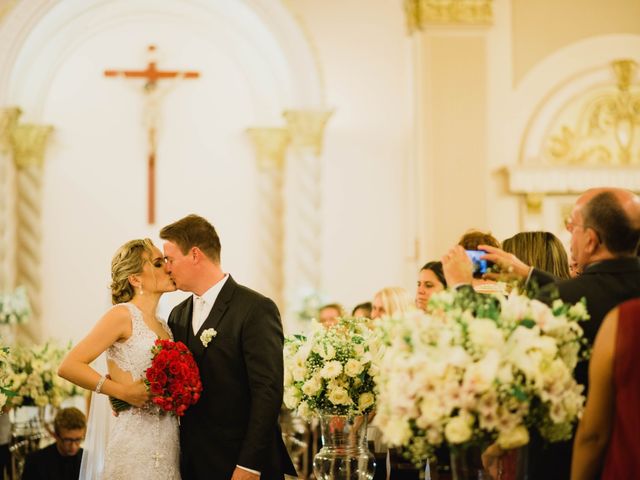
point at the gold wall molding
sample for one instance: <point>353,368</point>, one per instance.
<point>28,142</point>
<point>306,127</point>
<point>421,13</point>
<point>270,144</point>
<point>8,122</point>
<point>604,128</point>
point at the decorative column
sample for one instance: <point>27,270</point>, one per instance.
<point>28,143</point>
<point>306,128</point>
<point>8,122</point>
<point>270,146</point>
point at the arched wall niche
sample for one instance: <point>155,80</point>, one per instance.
<point>256,62</point>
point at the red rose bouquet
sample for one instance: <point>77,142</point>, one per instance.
<point>173,378</point>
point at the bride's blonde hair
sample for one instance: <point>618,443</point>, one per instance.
<point>128,260</point>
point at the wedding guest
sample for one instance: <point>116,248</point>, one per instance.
<point>607,439</point>
<point>542,250</point>
<point>607,436</point>
<point>330,313</point>
<point>362,310</point>
<point>430,280</point>
<point>391,301</point>
<point>605,233</point>
<point>472,241</point>
<point>60,460</point>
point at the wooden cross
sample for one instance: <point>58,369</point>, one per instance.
<point>151,75</point>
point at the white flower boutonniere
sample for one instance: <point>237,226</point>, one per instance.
<point>207,336</point>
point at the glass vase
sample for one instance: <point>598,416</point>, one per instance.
<point>469,463</point>
<point>344,453</point>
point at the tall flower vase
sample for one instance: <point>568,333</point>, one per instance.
<point>344,454</point>
<point>473,463</point>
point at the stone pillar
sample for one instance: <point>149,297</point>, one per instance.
<point>8,122</point>
<point>306,128</point>
<point>270,146</point>
<point>28,143</point>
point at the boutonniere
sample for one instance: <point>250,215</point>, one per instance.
<point>207,336</point>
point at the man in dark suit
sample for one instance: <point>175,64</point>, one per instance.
<point>605,233</point>
<point>235,335</point>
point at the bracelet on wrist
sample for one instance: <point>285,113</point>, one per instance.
<point>100,383</point>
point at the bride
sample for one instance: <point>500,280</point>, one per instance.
<point>141,442</point>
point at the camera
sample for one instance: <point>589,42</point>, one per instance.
<point>480,266</point>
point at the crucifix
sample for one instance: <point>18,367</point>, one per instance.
<point>153,95</point>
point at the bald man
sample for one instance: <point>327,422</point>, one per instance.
<point>605,233</point>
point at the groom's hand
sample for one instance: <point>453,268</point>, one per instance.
<point>242,474</point>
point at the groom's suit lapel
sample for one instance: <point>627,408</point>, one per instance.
<point>180,333</point>
<point>215,316</point>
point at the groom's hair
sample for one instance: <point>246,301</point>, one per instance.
<point>193,231</point>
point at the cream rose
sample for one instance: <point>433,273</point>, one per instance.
<point>339,396</point>
<point>366,400</point>
<point>331,369</point>
<point>457,430</point>
<point>514,438</point>
<point>312,386</point>
<point>353,368</point>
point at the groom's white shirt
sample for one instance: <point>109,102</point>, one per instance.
<point>202,305</point>
<point>201,309</point>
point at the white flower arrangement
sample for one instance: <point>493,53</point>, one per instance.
<point>479,369</point>
<point>5,381</point>
<point>33,376</point>
<point>14,307</point>
<point>331,370</point>
<point>208,335</point>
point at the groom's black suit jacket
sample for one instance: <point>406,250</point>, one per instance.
<point>236,420</point>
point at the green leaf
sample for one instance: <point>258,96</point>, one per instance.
<point>527,323</point>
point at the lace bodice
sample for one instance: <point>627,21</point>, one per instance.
<point>134,354</point>
<point>142,442</point>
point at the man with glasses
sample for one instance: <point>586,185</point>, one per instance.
<point>605,233</point>
<point>61,460</point>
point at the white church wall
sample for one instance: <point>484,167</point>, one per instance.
<point>252,69</point>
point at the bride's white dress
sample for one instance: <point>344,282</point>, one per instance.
<point>142,442</point>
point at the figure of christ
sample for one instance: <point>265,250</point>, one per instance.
<point>153,96</point>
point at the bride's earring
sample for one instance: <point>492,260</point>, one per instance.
<point>140,292</point>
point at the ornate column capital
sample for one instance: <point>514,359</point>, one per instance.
<point>270,144</point>
<point>307,127</point>
<point>447,12</point>
<point>28,142</point>
<point>8,122</point>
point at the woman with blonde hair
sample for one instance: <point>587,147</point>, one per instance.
<point>542,250</point>
<point>141,442</point>
<point>392,301</point>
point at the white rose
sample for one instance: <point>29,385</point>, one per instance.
<point>304,411</point>
<point>353,368</point>
<point>457,430</point>
<point>331,370</point>
<point>397,432</point>
<point>299,373</point>
<point>291,397</point>
<point>485,334</point>
<point>366,400</point>
<point>358,349</point>
<point>339,396</point>
<point>514,438</point>
<point>328,352</point>
<point>312,386</point>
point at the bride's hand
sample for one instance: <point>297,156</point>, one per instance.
<point>136,394</point>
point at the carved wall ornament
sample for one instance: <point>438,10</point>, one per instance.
<point>606,125</point>
<point>421,13</point>
<point>8,122</point>
<point>270,145</point>
<point>306,127</point>
<point>28,142</point>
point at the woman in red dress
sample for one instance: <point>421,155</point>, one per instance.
<point>608,437</point>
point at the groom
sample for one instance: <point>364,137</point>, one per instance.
<point>235,335</point>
